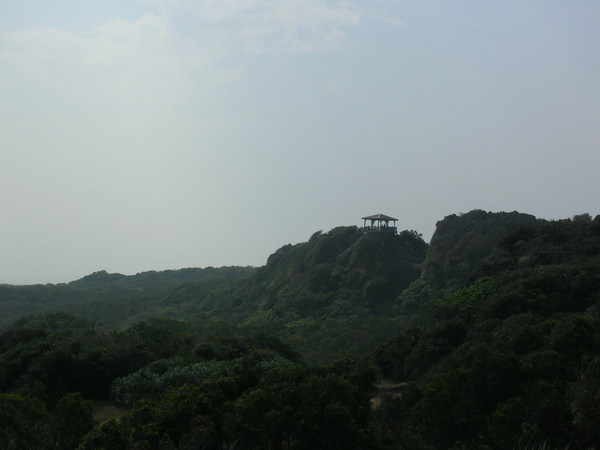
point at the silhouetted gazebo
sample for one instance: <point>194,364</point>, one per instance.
<point>379,223</point>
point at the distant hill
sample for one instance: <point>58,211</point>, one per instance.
<point>91,295</point>
<point>157,280</point>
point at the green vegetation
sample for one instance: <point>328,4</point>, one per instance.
<point>504,361</point>
<point>180,386</point>
<point>488,338</point>
<point>114,299</point>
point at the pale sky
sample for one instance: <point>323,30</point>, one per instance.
<point>160,134</point>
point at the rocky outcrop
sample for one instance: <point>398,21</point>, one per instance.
<point>462,243</point>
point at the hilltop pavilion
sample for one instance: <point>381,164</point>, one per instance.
<point>379,223</point>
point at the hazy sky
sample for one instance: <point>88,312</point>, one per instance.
<point>160,134</point>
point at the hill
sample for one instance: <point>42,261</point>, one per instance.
<point>487,338</point>
<point>330,296</point>
<point>110,298</point>
<point>462,243</point>
<point>307,293</point>
<point>338,273</point>
<point>510,360</point>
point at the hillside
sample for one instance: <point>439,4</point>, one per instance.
<point>460,246</point>
<point>488,337</point>
<point>111,298</point>
<point>462,243</point>
<point>306,293</point>
<point>330,296</point>
<point>512,359</point>
<point>337,273</point>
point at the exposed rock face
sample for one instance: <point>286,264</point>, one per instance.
<point>461,244</point>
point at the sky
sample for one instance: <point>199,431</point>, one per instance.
<point>144,135</point>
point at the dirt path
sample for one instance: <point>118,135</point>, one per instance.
<point>105,410</point>
<point>385,388</point>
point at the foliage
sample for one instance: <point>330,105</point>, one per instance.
<point>103,296</point>
<point>183,389</point>
<point>495,344</point>
<point>510,358</point>
<point>30,421</point>
<point>461,244</point>
<point>253,401</point>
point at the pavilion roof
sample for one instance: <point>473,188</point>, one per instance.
<point>378,217</point>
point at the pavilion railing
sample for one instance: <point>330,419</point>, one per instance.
<point>380,229</point>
